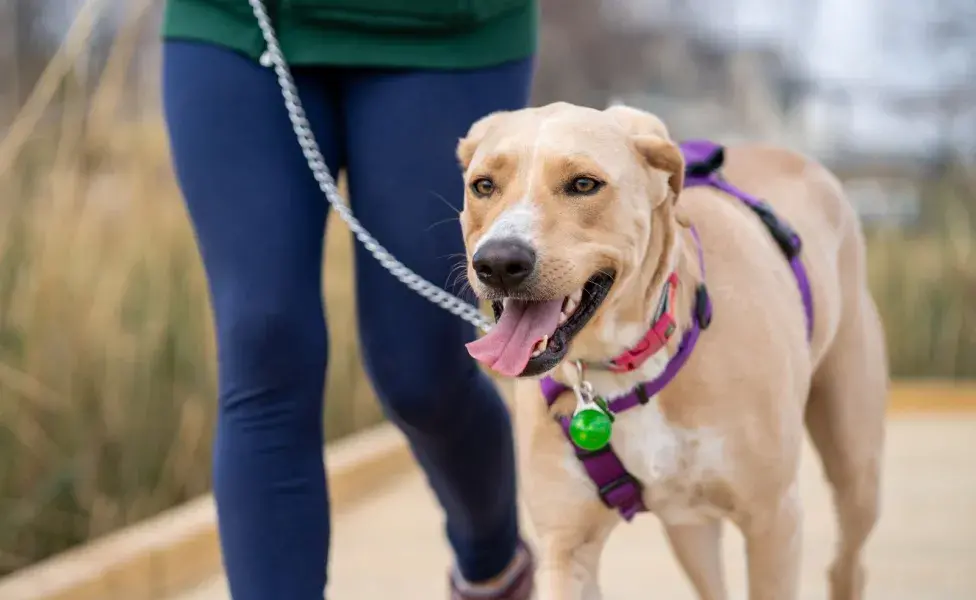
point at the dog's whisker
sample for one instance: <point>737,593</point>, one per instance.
<point>597,285</point>
<point>454,278</point>
<point>457,272</point>
<point>459,278</point>
<point>441,222</point>
<point>444,200</point>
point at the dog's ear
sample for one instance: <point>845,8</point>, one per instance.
<point>652,141</point>
<point>665,156</point>
<point>467,145</point>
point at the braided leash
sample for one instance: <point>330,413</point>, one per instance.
<point>273,57</point>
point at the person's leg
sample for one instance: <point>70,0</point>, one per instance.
<point>406,187</point>
<point>259,219</point>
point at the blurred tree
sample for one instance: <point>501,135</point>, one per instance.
<point>583,58</point>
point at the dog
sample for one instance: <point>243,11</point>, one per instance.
<point>582,232</point>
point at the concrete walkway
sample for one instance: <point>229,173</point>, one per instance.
<point>924,549</point>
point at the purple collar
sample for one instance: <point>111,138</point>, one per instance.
<point>616,487</point>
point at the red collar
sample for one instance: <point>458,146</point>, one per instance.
<point>657,336</point>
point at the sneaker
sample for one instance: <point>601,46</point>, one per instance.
<point>516,583</point>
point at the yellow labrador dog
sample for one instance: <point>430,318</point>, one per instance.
<point>618,271</point>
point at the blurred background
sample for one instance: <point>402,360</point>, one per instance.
<point>107,376</point>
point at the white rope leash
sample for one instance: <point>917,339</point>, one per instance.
<point>310,149</point>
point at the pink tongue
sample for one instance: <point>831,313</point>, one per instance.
<point>508,346</point>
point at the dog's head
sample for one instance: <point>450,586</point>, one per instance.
<point>567,212</point>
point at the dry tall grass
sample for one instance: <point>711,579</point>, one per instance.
<point>107,378</point>
<point>925,287</point>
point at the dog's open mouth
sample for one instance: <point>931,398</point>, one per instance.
<point>530,337</point>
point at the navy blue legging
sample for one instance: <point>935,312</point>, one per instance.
<point>259,218</point>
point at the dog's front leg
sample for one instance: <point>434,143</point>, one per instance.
<point>773,546</point>
<point>698,548</point>
<point>569,559</point>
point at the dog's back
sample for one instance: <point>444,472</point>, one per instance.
<point>810,198</point>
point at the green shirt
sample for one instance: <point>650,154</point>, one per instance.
<point>433,34</point>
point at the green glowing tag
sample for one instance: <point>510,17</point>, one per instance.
<point>592,425</point>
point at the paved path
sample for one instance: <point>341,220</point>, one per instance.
<point>924,549</point>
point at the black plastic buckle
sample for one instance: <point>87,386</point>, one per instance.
<point>703,308</point>
<point>784,235</point>
<point>709,165</point>
<point>617,483</point>
<point>641,394</point>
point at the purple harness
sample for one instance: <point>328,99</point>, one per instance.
<point>617,488</point>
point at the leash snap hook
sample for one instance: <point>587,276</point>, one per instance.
<point>583,388</point>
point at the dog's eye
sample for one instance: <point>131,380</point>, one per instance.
<point>483,187</point>
<point>584,186</point>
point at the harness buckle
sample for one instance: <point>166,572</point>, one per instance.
<point>618,483</point>
<point>642,396</point>
<point>707,166</point>
<point>784,235</point>
<point>703,307</point>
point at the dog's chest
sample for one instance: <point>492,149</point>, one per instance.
<point>679,468</point>
<point>683,471</point>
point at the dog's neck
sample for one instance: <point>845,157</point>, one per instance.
<point>628,319</point>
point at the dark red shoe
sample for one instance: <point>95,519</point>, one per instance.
<point>516,584</point>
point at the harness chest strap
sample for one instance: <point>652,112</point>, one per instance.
<point>618,488</point>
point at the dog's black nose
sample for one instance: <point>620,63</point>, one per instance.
<point>504,264</point>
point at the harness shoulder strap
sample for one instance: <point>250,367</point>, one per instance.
<point>703,166</point>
